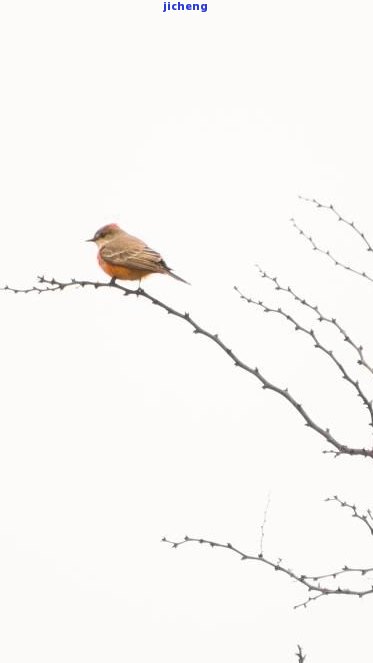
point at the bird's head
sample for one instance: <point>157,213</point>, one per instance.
<point>105,234</point>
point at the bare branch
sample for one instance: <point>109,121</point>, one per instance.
<point>365,518</point>
<point>301,657</point>
<point>318,345</point>
<point>350,224</point>
<point>345,569</point>
<point>311,583</point>
<point>338,447</point>
<point>329,255</point>
<point>321,317</point>
<point>264,522</point>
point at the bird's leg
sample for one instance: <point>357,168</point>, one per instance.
<point>112,280</point>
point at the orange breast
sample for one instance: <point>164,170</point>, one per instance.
<point>120,272</point>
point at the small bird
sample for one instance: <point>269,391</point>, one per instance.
<point>126,257</point>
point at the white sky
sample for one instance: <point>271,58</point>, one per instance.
<point>195,131</point>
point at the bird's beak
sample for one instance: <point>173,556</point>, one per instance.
<point>90,240</point>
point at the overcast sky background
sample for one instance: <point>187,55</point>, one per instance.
<point>196,132</point>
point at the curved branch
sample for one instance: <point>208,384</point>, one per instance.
<point>311,583</point>
<point>366,518</point>
<point>338,447</point>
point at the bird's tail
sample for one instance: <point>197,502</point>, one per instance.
<point>178,278</point>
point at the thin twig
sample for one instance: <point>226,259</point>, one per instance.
<point>345,569</point>
<point>318,345</point>
<point>264,522</point>
<point>365,518</point>
<point>350,224</point>
<point>329,255</point>
<point>320,316</point>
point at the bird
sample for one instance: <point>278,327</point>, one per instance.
<point>128,258</point>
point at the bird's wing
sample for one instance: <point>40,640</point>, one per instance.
<point>132,253</point>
